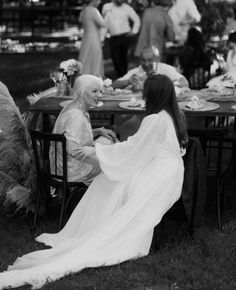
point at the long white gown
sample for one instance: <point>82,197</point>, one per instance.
<point>114,221</point>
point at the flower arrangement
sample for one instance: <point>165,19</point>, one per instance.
<point>66,75</point>
<point>63,78</point>
<point>70,69</point>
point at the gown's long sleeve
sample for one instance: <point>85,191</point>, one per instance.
<point>119,161</point>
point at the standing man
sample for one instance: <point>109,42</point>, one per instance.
<point>183,13</point>
<point>118,16</point>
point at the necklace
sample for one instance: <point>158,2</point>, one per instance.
<point>86,114</point>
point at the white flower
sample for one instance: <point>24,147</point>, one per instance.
<point>107,82</point>
<point>70,66</point>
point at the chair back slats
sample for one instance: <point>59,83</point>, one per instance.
<point>55,155</point>
<point>51,167</point>
<point>198,76</point>
<point>43,144</point>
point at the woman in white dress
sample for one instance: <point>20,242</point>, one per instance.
<point>142,178</point>
<point>91,54</point>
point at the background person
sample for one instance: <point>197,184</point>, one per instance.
<point>118,16</point>
<point>134,79</point>
<point>183,14</point>
<point>156,28</point>
<point>148,57</point>
<point>229,67</point>
<point>230,21</point>
<point>74,122</point>
<point>142,178</point>
<point>194,53</point>
<point>91,55</point>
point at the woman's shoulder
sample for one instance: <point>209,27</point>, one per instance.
<point>70,114</point>
<point>162,115</point>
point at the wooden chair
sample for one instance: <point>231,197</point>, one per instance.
<point>46,179</point>
<point>194,190</point>
<point>198,75</point>
<point>191,205</point>
<point>213,140</point>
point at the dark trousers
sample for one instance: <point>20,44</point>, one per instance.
<point>119,53</point>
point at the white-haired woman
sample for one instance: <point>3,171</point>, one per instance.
<point>74,122</point>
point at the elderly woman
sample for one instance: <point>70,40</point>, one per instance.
<point>74,122</point>
<point>142,178</point>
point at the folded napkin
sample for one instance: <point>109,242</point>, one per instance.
<point>196,103</point>
<point>136,103</point>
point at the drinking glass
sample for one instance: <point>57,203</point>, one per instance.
<point>56,77</point>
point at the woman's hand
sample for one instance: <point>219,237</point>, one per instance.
<point>108,134</point>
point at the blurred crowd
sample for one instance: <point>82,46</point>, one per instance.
<point>150,23</point>
<point>128,27</point>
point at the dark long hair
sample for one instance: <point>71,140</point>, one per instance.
<point>159,94</point>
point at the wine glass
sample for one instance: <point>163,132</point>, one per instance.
<point>56,77</point>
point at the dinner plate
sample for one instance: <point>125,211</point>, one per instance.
<point>217,92</point>
<point>130,106</point>
<point>99,104</point>
<point>209,106</point>
<point>120,97</point>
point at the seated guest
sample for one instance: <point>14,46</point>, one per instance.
<point>230,21</point>
<point>231,56</point>
<point>74,122</point>
<point>229,65</point>
<point>149,61</point>
<point>194,53</point>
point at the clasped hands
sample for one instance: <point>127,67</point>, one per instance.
<point>81,153</point>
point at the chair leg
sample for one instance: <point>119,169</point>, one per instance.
<point>62,212</point>
<point>218,204</point>
<point>36,206</point>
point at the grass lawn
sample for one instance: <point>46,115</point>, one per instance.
<point>206,262</point>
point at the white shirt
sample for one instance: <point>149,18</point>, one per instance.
<point>118,17</point>
<point>181,12</point>
<point>231,64</point>
<point>163,68</point>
